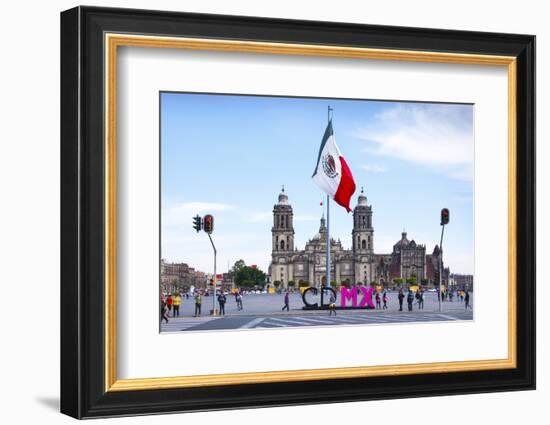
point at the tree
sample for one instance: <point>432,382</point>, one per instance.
<point>411,280</point>
<point>398,281</point>
<point>291,283</point>
<point>303,283</point>
<point>248,276</point>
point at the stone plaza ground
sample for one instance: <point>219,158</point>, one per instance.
<point>265,311</point>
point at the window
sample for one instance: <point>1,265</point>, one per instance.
<point>282,245</point>
<point>363,244</point>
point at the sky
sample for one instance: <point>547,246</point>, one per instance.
<point>229,155</point>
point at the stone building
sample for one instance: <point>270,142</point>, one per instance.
<point>179,276</point>
<point>358,265</point>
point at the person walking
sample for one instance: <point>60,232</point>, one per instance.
<point>332,305</point>
<point>221,301</point>
<point>385,300</point>
<point>410,300</point>
<point>198,303</point>
<point>378,304</point>
<point>169,302</point>
<point>420,299</point>
<point>239,299</point>
<point>287,300</point>
<point>467,300</point>
<point>400,297</point>
<point>163,312</point>
<point>176,302</point>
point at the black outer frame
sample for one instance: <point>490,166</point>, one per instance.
<point>82,218</point>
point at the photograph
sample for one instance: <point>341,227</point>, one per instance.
<point>285,212</point>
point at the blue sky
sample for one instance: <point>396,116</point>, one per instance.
<point>229,155</point>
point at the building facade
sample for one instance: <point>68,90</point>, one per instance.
<point>358,265</point>
<point>175,277</point>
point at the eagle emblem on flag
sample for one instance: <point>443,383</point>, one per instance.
<point>329,166</point>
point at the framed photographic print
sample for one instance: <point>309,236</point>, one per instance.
<point>261,212</point>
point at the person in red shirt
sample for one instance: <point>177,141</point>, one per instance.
<point>169,304</point>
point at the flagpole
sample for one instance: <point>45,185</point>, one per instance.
<point>328,243</point>
<point>328,224</point>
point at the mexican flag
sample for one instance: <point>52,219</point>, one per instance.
<point>332,173</point>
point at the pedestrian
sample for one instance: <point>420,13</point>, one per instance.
<point>378,305</point>
<point>410,300</point>
<point>332,305</point>
<point>466,300</point>
<point>239,299</point>
<point>221,301</point>
<point>198,303</point>
<point>287,300</point>
<point>420,299</point>
<point>176,302</point>
<point>169,302</point>
<point>400,298</point>
<point>385,300</point>
<point>163,312</point>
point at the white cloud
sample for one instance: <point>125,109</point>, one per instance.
<point>438,136</point>
<point>374,168</point>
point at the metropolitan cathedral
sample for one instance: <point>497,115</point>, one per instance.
<point>358,265</point>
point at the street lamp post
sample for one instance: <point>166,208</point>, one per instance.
<point>214,279</point>
<point>445,216</point>
<point>441,265</point>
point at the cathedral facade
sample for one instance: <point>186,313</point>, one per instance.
<point>358,265</point>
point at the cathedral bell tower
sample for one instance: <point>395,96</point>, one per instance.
<point>282,235</point>
<point>363,232</point>
<point>283,227</point>
<point>363,240</point>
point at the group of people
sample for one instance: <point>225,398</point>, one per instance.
<point>411,297</point>
<point>170,305</point>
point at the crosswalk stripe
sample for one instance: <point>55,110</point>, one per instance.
<point>286,321</point>
<point>313,319</point>
<point>182,324</point>
<point>270,324</point>
<point>253,323</point>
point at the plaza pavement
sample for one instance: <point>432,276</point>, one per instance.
<point>264,311</point>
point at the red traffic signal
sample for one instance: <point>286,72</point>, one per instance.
<point>208,223</point>
<point>445,216</point>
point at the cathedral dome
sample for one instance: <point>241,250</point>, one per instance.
<point>403,242</point>
<point>283,198</point>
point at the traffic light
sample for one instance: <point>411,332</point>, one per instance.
<point>208,223</point>
<point>197,223</point>
<point>444,216</point>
